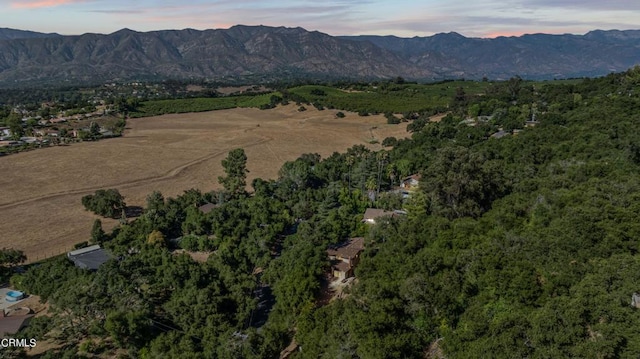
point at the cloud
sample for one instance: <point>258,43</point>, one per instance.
<point>30,4</point>
<point>118,12</point>
<point>332,15</point>
<point>492,18</point>
<point>336,17</point>
<point>608,5</point>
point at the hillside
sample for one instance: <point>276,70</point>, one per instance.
<point>260,53</point>
<point>239,52</point>
<point>535,56</point>
<point>12,34</point>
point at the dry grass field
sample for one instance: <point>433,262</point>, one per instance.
<point>40,191</point>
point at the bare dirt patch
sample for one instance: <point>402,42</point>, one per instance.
<point>438,117</point>
<point>194,88</point>
<point>200,257</point>
<point>40,191</point>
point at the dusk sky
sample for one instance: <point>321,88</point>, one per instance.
<point>406,18</point>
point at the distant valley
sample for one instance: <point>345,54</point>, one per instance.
<point>260,53</point>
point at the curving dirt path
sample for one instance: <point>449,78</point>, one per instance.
<point>137,182</point>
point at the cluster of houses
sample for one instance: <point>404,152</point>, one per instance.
<point>344,257</point>
<point>474,121</point>
<point>45,136</point>
<point>46,130</point>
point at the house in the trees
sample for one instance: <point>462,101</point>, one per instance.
<point>5,131</point>
<point>371,214</point>
<point>501,133</point>
<point>410,182</point>
<point>91,257</point>
<point>208,207</point>
<point>344,257</point>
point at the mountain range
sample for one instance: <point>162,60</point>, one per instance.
<point>249,53</point>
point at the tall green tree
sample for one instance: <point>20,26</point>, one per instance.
<point>15,126</point>
<point>235,167</point>
<point>97,233</point>
<point>94,131</point>
<point>8,259</point>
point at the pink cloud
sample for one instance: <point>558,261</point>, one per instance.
<point>42,3</point>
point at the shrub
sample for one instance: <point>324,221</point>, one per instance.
<point>189,243</point>
<point>106,203</point>
<point>391,119</point>
<point>318,92</point>
<point>389,142</point>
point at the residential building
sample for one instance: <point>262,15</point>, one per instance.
<point>410,182</point>
<point>344,257</point>
<point>91,257</point>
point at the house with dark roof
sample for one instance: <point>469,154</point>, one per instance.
<point>91,257</point>
<point>344,257</point>
<point>500,134</point>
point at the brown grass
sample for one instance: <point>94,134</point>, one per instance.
<point>438,117</point>
<point>40,191</point>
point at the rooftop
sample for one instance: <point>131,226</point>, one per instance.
<point>206,208</point>
<point>341,266</point>
<point>347,249</point>
<point>416,177</point>
<point>12,324</point>
<point>91,257</point>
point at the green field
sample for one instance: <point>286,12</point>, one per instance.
<point>161,107</point>
<point>382,98</point>
<point>388,97</point>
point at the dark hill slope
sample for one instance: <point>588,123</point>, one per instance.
<point>275,53</point>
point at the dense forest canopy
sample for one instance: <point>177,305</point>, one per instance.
<point>519,245</point>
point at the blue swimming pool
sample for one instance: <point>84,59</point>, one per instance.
<point>14,296</point>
